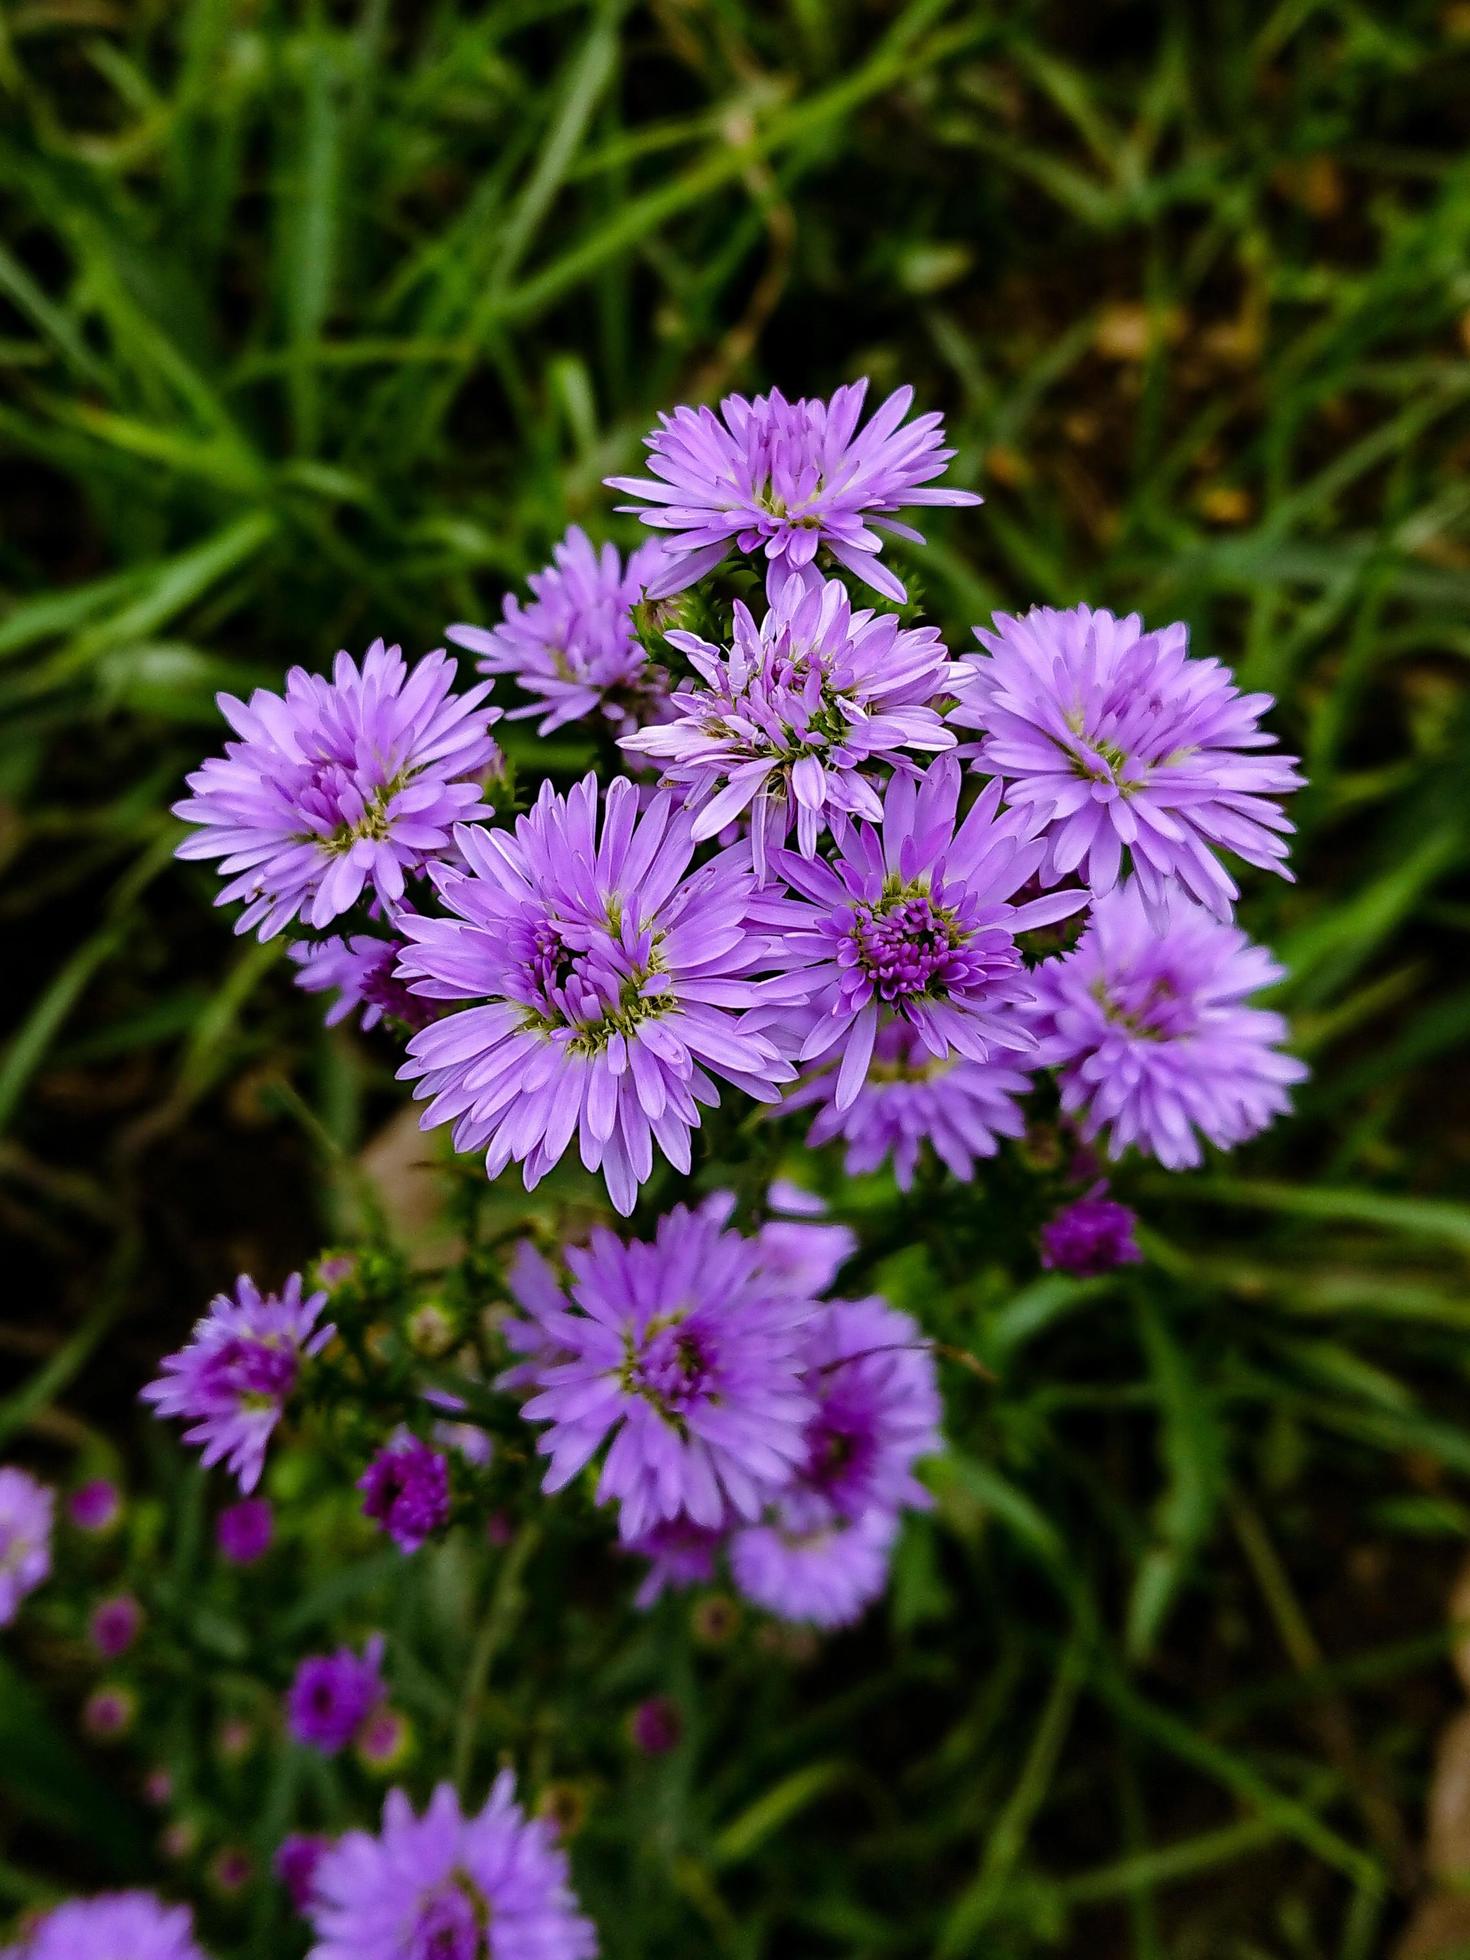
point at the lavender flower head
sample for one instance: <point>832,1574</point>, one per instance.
<point>960,1109</point>
<point>610,982</point>
<point>912,921</point>
<point>1091,1236</point>
<point>295,1863</point>
<point>574,647</point>
<point>95,1506</point>
<point>243,1531</point>
<point>239,1370</point>
<point>792,718</point>
<point>788,479</point>
<point>812,1568</point>
<point>871,1376</point>
<point>797,1244</point>
<point>114,1926</point>
<point>340,786</point>
<point>446,1886</point>
<point>333,1695</point>
<point>114,1624</point>
<point>679,1555</point>
<point>406,1488</point>
<point>1151,1036</point>
<point>686,1354</point>
<point>1111,739</point>
<point>360,971</point>
<point>27,1513</point>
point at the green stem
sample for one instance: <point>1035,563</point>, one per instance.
<point>500,1614</point>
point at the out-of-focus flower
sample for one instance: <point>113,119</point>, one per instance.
<point>608,980</point>
<point>27,1514</point>
<point>114,1926</point>
<point>491,1886</point>
<point>788,479</point>
<point>244,1531</point>
<point>1150,1034</point>
<point>679,1554</point>
<point>114,1625</point>
<point>296,1861</point>
<point>341,786</point>
<point>95,1506</point>
<point>360,972</point>
<point>794,715</point>
<point>811,1567</point>
<point>385,1741</point>
<point>871,1376</point>
<point>230,1870</point>
<point>1091,1236</point>
<point>109,1712</point>
<point>574,648</point>
<point>406,1489</point>
<point>239,1370</point>
<point>798,1245</point>
<point>334,1694</point>
<point>1111,739</point>
<point>656,1725</point>
<point>158,1787</point>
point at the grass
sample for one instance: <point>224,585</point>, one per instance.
<point>322,320</point>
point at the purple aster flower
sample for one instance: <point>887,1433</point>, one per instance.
<point>115,1926</point>
<point>679,1555</point>
<point>797,1245</point>
<point>333,1695</point>
<point>961,1109</point>
<point>791,720</point>
<point>243,1531</point>
<point>609,980</point>
<point>1150,1033</point>
<point>787,479</point>
<point>109,1712</point>
<point>1111,739</point>
<point>1091,1236</point>
<point>114,1625</point>
<point>406,1488</point>
<point>359,971</point>
<point>95,1506</point>
<point>656,1725</point>
<point>444,1886</point>
<point>871,1375</point>
<point>812,1568</point>
<point>574,647</point>
<point>239,1370</point>
<point>340,786</point>
<point>912,921</point>
<point>687,1355</point>
<point>296,1861</point>
<point>27,1512</point>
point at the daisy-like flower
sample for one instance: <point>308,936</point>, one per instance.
<point>1091,1236</point>
<point>811,1567</point>
<point>1151,1035</point>
<point>871,1376</point>
<point>360,972</point>
<point>406,1488</point>
<point>243,1531</point>
<point>610,983</point>
<point>27,1513</point>
<point>446,1886</point>
<point>679,1554</point>
<point>791,718</point>
<point>574,648</point>
<point>239,1370</point>
<point>684,1356</point>
<point>341,786</point>
<point>1114,740</point>
<point>114,1926</point>
<point>960,1109</point>
<point>333,1695</point>
<point>797,1244</point>
<point>788,479</point>
<point>912,921</point>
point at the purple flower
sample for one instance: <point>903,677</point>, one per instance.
<point>679,1554</point>
<point>797,1245</point>
<point>608,978</point>
<point>239,1370</point>
<point>296,1861</point>
<point>1091,1236</point>
<point>243,1531</point>
<point>791,720</point>
<point>574,647</point>
<point>360,972</point>
<point>871,1376</point>
<point>341,786</point>
<point>27,1513</point>
<point>1112,739</point>
<point>114,1625</point>
<point>115,1926</point>
<point>444,1886</point>
<point>787,479</point>
<point>406,1488</point>
<point>687,1354</point>
<point>333,1695</point>
<point>656,1725</point>
<point>109,1712</point>
<point>812,1568</point>
<point>1150,1034</point>
<point>912,921</point>
<point>95,1506</point>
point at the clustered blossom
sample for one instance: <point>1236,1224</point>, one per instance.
<point>242,1365</point>
<point>575,648</point>
<point>792,717</point>
<point>333,1695</point>
<point>340,786</point>
<point>359,971</point>
<point>1150,1034</point>
<point>610,981</point>
<point>1091,1236</point>
<point>1113,739</point>
<point>406,1489</point>
<point>787,480</point>
<point>493,1885</point>
<point>114,1926</point>
<point>27,1514</point>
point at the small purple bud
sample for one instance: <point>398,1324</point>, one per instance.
<point>406,1488</point>
<point>657,1725</point>
<point>243,1531</point>
<point>1090,1237</point>
<point>95,1506</point>
<point>108,1712</point>
<point>296,1861</point>
<point>114,1625</point>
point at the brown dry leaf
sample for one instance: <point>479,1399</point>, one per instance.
<point>1448,1851</point>
<point>1458,1613</point>
<point>399,1165</point>
<point>1439,1930</point>
<point>1127,331</point>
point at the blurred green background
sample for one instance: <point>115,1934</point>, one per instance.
<point>320,321</point>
